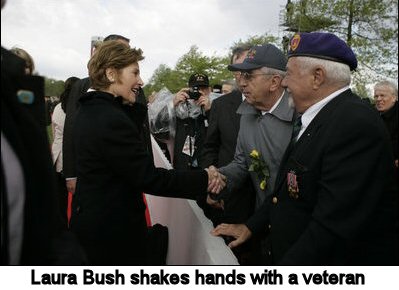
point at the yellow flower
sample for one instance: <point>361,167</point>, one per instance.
<point>262,185</point>
<point>254,154</point>
<point>259,166</point>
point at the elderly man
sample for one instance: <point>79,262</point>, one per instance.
<point>265,125</point>
<point>332,203</point>
<point>386,102</point>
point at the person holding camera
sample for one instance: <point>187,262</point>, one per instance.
<point>191,105</point>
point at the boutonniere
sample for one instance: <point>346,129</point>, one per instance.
<point>260,168</point>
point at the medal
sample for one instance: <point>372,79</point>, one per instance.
<point>292,184</point>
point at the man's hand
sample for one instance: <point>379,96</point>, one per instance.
<point>240,232</point>
<point>71,185</point>
<point>180,97</point>
<point>205,102</point>
<point>216,180</point>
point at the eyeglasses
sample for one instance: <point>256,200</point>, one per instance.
<point>248,76</point>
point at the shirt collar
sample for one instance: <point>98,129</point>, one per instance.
<point>313,110</point>
<point>282,110</point>
<point>274,106</point>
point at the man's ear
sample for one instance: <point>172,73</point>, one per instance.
<point>319,77</point>
<point>276,82</point>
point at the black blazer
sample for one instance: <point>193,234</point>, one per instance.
<point>344,211</point>
<point>113,170</point>
<point>218,150</point>
<point>224,123</point>
<point>68,153</point>
<point>23,126</point>
<point>78,89</point>
<point>193,127</point>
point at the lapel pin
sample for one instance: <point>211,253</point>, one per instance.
<point>25,97</point>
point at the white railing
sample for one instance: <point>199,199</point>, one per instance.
<point>190,242</point>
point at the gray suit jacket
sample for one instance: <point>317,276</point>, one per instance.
<point>269,134</point>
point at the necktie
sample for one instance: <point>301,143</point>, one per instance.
<point>296,129</point>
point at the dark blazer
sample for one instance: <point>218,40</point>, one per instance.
<point>344,211</point>
<point>224,124</point>
<point>218,150</point>
<point>113,169</point>
<point>27,137</point>
<point>69,155</point>
<point>23,125</point>
<point>390,119</point>
<point>193,127</point>
<point>68,161</point>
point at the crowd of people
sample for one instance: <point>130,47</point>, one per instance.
<point>287,162</point>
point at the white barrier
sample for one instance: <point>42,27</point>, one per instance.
<point>190,242</point>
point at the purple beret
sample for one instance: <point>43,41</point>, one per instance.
<point>322,45</point>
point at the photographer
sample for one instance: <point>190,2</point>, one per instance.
<point>191,105</point>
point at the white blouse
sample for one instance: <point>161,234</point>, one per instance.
<point>57,120</point>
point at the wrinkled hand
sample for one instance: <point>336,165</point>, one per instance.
<point>216,180</point>
<point>218,204</point>
<point>71,185</point>
<point>204,101</point>
<point>180,97</point>
<point>240,232</point>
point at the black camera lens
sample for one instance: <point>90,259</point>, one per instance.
<point>194,93</point>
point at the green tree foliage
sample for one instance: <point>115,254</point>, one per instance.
<point>370,27</point>
<point>195,61</point>
<point>53,87</point>
<point>257,40</point>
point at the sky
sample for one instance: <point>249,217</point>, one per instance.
<point>57,33</point>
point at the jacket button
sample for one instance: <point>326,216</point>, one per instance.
<point>78,209</point>
<point>269,253</point>
<point>274,200</point>
<point>269,226</point>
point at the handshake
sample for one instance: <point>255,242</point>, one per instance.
<point>216,180</point>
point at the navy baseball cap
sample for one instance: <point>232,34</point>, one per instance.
<point>198,80</point>
<point>266,55</point>
<point>322,45</point>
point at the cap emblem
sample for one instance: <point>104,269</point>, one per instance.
<point>295,42</point>
<point>251,53</point>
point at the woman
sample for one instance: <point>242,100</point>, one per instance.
<point>113,166</point>
<point>29,64</point>
<point>57,121</point>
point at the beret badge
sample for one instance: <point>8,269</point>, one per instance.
<point>295,42</point>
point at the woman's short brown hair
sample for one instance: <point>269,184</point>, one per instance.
<point>110,54</point>
<point>29,64</point>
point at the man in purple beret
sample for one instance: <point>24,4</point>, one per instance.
<point>333,198</point>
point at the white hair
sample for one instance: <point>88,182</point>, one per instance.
<point>391,85</point>
<point>336,72</point>
<point>273,71</point>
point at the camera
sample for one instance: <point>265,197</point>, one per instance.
<point>194,93</point>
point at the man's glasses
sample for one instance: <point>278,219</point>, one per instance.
<point>247,76</point>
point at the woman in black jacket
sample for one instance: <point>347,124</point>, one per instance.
<point>113,166</point>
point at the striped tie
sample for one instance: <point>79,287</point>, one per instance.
<point>296,129</point>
